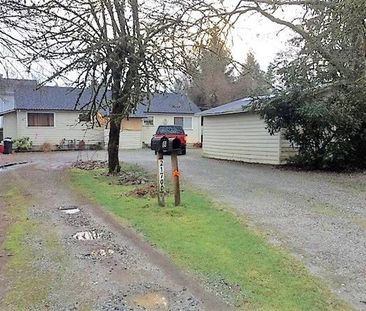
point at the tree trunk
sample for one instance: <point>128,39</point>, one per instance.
<point>115,122</point>
<point>113,146</point>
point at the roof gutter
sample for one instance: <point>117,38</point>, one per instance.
<point>245,109</point>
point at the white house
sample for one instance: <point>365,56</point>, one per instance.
<point>45,115</point>
<point>162,109</point>
<point>235,132</point>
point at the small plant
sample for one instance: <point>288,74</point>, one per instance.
<point>23,144</point>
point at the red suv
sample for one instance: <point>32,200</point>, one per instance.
<point>173,131</point>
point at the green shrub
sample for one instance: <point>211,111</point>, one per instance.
<point>23,144</point>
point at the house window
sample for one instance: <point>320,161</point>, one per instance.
<point>185,122</point>
<point>148,121</point>
<point>41,119</point>
<point>178,121</point>
<point>84,117</point>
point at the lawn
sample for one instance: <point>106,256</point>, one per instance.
<point>213,243</point>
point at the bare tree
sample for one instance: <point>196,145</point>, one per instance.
<point>12,31</point>
<point>123,51</point>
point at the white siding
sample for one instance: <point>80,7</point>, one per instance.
<point>127,140</point>
<point>194,134</point>
<point>10,125</point>
<point>240,137</point>
<point>66,127</point>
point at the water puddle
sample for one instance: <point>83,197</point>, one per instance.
<point>149,301</point>
<point>102,252</point>
<point>86,235</point>
<point>70,209</point>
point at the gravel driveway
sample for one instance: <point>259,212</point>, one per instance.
<point>85,260</point>
<point>319,217</point>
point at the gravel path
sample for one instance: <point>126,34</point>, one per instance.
<point>115,271</point>
<point>318,217</point>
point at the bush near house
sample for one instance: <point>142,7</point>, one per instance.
<point>22,144</point>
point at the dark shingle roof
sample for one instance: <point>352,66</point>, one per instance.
<point>27,97</point>
<point>166,103</point>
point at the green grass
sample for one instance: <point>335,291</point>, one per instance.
<point>213,242</point>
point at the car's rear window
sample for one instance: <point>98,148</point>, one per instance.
<point>169,129</point>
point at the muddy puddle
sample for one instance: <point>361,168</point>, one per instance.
<point>69,209</point>
<point>87,235</point>
<point>149,301</point>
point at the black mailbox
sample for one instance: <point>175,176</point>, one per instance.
<point>174,144</point>
<point>165,144</point>
<point>160,144</point>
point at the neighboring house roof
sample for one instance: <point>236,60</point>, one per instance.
<point>166,103</point>
<point>49,97</point>
<point>237,106</point>
<point>28,97</point>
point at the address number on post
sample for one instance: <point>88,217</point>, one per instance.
<point>161,176</point>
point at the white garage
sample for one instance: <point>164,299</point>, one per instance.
<point>235,132</point>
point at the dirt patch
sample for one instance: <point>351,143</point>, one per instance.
<point>89,165</point>
<point>132,178</point>
<point>148,190</point>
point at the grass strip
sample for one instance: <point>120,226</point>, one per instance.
<point>211,241</point>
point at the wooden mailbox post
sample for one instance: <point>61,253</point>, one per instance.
<point>170,145</point>
<point>176,175</point>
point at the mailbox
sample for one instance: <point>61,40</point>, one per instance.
<point>175,144</point>
<point>165,144</point>
<point>160,144</point>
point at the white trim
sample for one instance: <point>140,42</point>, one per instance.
<point>41,127</point>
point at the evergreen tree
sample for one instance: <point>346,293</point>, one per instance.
<point>252,80</point>
<point>209,69</point>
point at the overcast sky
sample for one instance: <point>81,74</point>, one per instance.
<point>260,36</point>
<point>263,37</point>
<point>251,33</point>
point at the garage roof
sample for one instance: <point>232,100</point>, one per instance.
<point>237,106</point>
